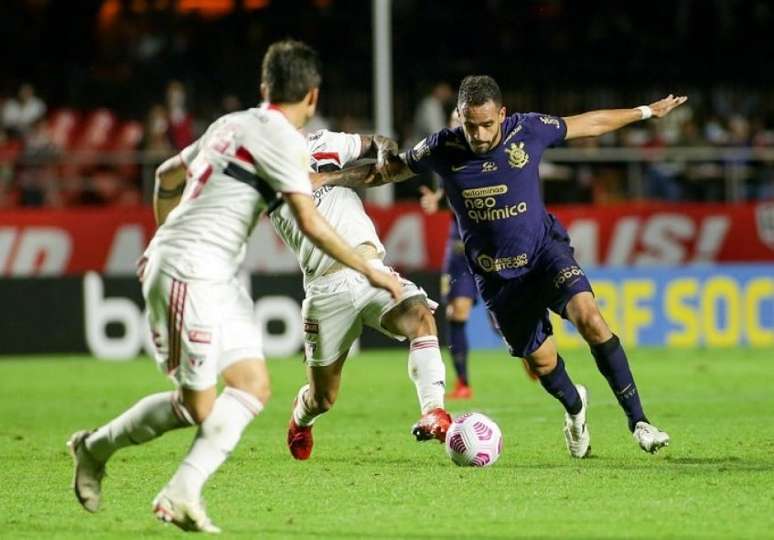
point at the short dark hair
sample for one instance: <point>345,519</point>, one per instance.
<point>478,89</point>
<point>290,69</point>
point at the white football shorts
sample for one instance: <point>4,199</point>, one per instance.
<point>199,327</point>
<point>337,306</point>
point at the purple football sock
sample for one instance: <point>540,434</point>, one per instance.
<point>458,346</point>
<point>558,384</point>
<point>612,363</point>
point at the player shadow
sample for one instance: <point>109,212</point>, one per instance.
<point>721,463</point>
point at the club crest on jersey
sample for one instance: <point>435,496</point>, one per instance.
<point>517,156</point>
<point>489,166</point>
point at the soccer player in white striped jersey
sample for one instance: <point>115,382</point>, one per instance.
<point>206,203</point>
<point>339,302</point>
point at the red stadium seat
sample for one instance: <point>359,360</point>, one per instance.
<point>97,129</point>
<point>63,125</point>
<point>127,136</point>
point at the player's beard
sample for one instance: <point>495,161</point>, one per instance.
<point>485,149</point>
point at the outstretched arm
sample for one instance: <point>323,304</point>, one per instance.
<point>377,146</point>
<point>595,123</point>
<point>394,169</point>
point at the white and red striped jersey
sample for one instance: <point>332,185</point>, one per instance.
<point>340,206</point>
<point>236,170</point>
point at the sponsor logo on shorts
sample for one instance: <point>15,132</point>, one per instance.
<point>569,274</point>
<point>311,326</point>
<point>490,264</point>
<point>199,336</point>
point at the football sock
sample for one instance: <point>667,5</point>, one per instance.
<point>426,369</point>
<point>218,435</point>
<point>302,415</point>
<point>147,419</point>
<point>558,384</point>
<point>612,363</point>
<point>458,346</point>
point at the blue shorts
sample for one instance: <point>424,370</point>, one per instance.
<point>456,278</point>
<point>520,308</point>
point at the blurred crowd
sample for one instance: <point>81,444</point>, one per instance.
<point>64,157</point>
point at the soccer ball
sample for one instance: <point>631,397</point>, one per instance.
<point>474,440</point>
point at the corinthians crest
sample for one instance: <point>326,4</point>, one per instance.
<point>517,157</point>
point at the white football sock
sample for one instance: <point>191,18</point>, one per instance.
<point>147,419</point>
<point>301,414</point>
<point>426,369</point>
<point>218,435</point>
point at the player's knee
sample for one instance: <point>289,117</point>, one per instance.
<point>591,325</point>
<point>251,377</point>
<point>198,410</point>
<point>458,310</point>
<point>258,387</point>
<point>426,321</point>
<point>541,367</point>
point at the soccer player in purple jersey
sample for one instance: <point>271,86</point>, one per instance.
<point>519,253</point>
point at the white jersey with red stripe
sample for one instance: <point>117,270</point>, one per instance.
<point>340,206</point>
<point>237,169</point>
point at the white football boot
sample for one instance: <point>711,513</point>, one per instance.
<point>576,433</point>
<point>188,515</point>
<point>649,437</point>
<point>88,475</point>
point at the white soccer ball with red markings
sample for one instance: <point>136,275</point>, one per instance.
<point>474,440</point>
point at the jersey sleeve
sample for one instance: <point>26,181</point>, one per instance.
<point>333,148</point>
<point>550,130</point>
<point>283,162</point>
<point>423,157</point>
<point>189,153</point>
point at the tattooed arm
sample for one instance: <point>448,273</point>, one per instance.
<point>351,177</point>
<point>170,183</point>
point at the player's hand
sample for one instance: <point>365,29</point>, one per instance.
<point>663,107</point>
<point>385,147</point>
<point>429,199</point>
<point>386,281</point>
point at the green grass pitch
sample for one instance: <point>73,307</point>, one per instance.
<point>368,479</point>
